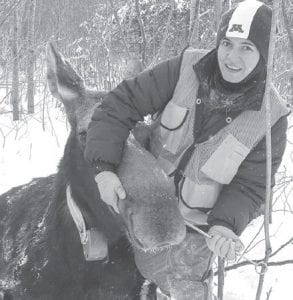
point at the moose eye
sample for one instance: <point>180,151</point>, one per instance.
<point>82,136</point>
<point>82,133</point>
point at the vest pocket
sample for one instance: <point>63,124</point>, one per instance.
<point>196,199</point>
<point>171,126</point>
<point>223,164</point>
<point>196,195</point>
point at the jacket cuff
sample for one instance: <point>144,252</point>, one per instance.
<point>101,166</point>
<point>212,222</point>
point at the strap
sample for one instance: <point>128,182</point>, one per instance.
<point>94,243</point>
<point>197,127</point>
<point>178,173</point>
<point>76,216</point>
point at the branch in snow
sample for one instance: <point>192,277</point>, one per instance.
<point>277,263</point>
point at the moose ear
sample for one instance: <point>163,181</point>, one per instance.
<point>64,83</point>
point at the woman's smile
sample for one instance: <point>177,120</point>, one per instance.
<point>232,68</point>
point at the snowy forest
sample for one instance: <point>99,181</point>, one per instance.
<point>107,41</point>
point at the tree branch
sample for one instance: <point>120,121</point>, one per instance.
<point>282,247</point>
<point>163,44</point>
<point>13,6</point>
<point>120,28</point>
<point>246,263</point>
<point>279,263</point>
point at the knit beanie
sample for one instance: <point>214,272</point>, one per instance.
<point>251,20</point>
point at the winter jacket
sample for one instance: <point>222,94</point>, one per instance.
<point>215,162</point>
<point>240,200</point>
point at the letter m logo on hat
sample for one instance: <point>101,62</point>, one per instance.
<point>236,27</point>
<point>241,19</point>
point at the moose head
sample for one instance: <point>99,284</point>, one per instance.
<point>150,211</point>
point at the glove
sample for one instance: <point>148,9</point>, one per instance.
<point>110,188</point>
<point>224,242</point>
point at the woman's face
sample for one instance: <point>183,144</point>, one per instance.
<point>237,57</point>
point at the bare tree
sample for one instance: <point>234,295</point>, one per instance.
<point>290,37</point>
<point>31,57</point>
<point>218,12</point>
<point>120,28</point>
<point>15,72</point>
<point>7,11</point>
<point>142,33</point>
<point>221,277</point>
<point>193,36</point>
<point>268,204</point>
<point>162,50</point>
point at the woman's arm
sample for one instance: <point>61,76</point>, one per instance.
<point>239,202</point>
<point>125,105</point>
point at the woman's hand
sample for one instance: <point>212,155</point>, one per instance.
<point>224,242</point>
<point>110,188</point>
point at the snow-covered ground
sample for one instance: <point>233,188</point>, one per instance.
<point>30,151</point>
<point>32,148</point>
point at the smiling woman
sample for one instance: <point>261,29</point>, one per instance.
<point>209,136</point>
<point>237,58</point>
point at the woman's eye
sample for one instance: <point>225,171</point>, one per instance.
<point>225,43</point>
<point>247,48</point>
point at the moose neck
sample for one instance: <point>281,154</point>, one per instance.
<point>80,176</point>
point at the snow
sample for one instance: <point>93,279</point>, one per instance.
<point>35,152</point>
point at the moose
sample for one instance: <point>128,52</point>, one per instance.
<point>43,223</point>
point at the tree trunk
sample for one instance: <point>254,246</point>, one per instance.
<point>221,278</point>
<point>162,52</point>
<point>142,33</point>
<point>229,4</point>
<point>290,39</point>
<point>107,44</point>
<point>191,18</point>
<point>15,77</point>
<point>218,13</point>
<point>31,57</point>
<point>193,37</point>
<point>120,28</point>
